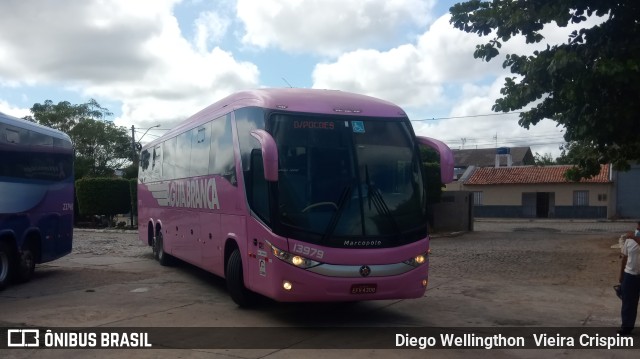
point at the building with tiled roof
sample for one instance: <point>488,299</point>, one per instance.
<point>486,157</point>
<point>538,192</point>
<point>530,175</point>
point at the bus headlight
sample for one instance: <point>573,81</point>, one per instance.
<point>417,260</point>
<point>294,259</point>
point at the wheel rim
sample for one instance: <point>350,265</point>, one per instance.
<point>154,248</point>
<point>159,249</point>
<point>4,266</point>
<point>26,261</point>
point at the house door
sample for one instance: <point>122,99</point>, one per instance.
<point>542,204</point>
<point>538,204</point>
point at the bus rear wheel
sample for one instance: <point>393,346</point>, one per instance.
<point>235,281</point>
<point>25,265</point>
<point>6,255</point>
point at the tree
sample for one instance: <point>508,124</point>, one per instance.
<point>101,146</point>
<point>103,196</point>
<point>590,84</point>
<point>107,146</point>
<point>544,159</point>
<point>431,163</point>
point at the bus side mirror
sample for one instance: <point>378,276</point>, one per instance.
<point>446,157</point>
<point>269,154</point>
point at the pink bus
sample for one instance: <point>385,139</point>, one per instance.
<point>295,194</point>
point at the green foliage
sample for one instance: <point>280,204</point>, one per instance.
<point>573,153</point>
<point>130,171</point>
<point>589,84</point>
<point>101,146</point>
<point>103,196</point>
<point>431,162</point>
<point>544,159</point>
<point>133,192</point>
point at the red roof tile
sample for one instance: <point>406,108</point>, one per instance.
<point>529,175</point>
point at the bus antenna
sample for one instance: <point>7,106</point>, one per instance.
<point>287,82</point>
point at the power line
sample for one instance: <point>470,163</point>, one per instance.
<point>156,129</point>
<point>468,116</point>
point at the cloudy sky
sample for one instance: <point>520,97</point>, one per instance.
<point>158,61</point>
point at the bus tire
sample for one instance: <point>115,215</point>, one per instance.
<point>25,265</point>
<point>6,259</point>
<point>163,258</point>
<point>235,281</point>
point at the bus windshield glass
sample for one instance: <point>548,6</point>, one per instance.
<point>349,181</point>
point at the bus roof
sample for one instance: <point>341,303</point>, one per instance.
<point>296,100</point>
<point>32,126</point>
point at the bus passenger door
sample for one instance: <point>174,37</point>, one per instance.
<point>258,190</point>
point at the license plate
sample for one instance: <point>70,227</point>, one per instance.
<point>364,288</point>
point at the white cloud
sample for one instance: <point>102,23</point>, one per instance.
<point>8,109</point>
<point>210,28</point>
<point>131,52</point>
<point>439,71</point>
<point>410,75</point>
<point>76,40</point>
<point>472,124</point>
<point>329,26</point>
<point>392,75</point>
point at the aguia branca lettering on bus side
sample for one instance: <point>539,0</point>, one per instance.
<point>196,193</point>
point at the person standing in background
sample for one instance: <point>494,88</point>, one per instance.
<point>630,281</point>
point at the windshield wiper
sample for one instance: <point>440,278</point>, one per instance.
<point>374,195</point>
<point>346,194</point>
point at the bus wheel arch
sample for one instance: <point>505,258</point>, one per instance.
<point>7,258</point>
<point>234,276</point>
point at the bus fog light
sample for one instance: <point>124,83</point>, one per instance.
<point>287,285</point>
<point>420,259</point>
<point>425,282</point>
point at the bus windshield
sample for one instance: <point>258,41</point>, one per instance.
<point>348,181</point>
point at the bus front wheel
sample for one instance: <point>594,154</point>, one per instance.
<point>235,281</point>
<point>5,264</point>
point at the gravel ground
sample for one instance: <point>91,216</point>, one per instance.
<point>108,242</point>
<point>546,251</point>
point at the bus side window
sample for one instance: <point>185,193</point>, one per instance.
<point>145,157</point>
<point>221,157</point>
<point>183,154</point>
<point>156,164</point>
<point>169,159</point>
<point>15,135</point>
<point>200,149</point>
<point>39,139</point>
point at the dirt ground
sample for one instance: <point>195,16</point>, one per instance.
<point>505,274</point>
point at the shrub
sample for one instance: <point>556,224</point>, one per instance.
<point>103,196</point>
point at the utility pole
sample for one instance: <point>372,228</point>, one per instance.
<point>134,152</point>
<point>133,161</point>
<point>133,144</point>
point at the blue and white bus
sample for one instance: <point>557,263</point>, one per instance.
<point>36,197</point>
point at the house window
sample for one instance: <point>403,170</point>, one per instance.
<point>580,198</point>
<point>477,198</point>
<point>602,197</point>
